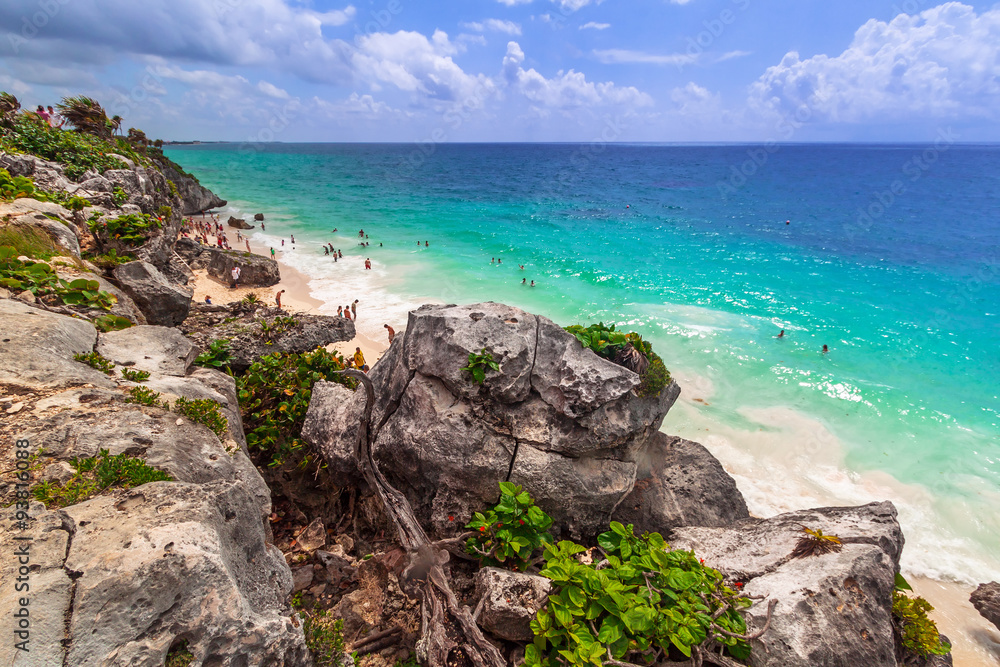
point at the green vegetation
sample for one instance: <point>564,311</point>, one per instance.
<point>273,329</point>
<point>204,411</point>
<point>96,474</point>
<point>324,637</point>
<point>635,605</point>
<point>274,395</point>
<point>130,230</point>
<point>15,187</point>
<point>479,364</point>
<point>216,356</point>
<point>108,322</point>
<point>165,212</point>
<point>146,396</point>
<point>39,279</point>
<point>173,188</point>
<point>510,533</point>
<point>119,196</point>
<point>178,655</point>
<point>628,350</point>
<point>918,634</point>
<point>133,375</point>
<point>96,361</point>
<point>77,151</point>
<point>28,241</point>
<point>110,259</point>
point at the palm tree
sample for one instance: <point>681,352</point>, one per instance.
<point>9,107</point>
<point>85,114</point>
<point>137,137</point>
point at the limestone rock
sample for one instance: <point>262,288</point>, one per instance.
<point>833,609</point>
<point>195,198</point>
<point>312,537</point>
<point>159,300</point>
<point>446,442</point>
<point>510,601</point>
<point>27,296</point>
<point>258,217</point>
<point>256,271</point>
<point>53,340</point>
<point>149,348</point>
<point>986,600</point>
<point>31,214</point>
<point>238,223</point>
<point>681,484</point>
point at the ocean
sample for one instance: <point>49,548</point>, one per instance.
<point>887,254</point>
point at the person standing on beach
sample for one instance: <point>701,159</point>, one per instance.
<point>347,312</point>
<point>368,263</point>
<point>392,332</point>
<point>293,239</point>
<point>236,276</point>
<point>354,310</point>
<point>248,245</point>
<point>340,311</point>
<point>359,358</point>
<point>272,253</point>
<point>277,298</point>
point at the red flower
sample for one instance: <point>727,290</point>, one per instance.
<point>739,584</point>
<point>702,560</point>
<point>499,525</point>
<point>451,518</point>
<point>521,521</point>
<point>482,529</point>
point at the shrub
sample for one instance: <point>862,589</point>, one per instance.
<point>628,350</point>
<point>108,322</point>
<point>134,375</point>
<point>216,356</point>
<point>324,637</point>
<point>78,152</point>
<point>479,364</point>
<point>119,196</point>
<point>178,655</point>
<point>274,395</point>
<point>39,279</point>
<point>918,634</point>
<point>146,396</point>
<point>15,187</point>
<point>204,411</point>
<point>110,259</point>
<point>510,533</point>
<point>96,474</point>
<point>636,605</point>
<point>96,361</point>
<point>130,230</point>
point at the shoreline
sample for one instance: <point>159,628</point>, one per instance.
<point>296,299</point>
<point>975,641</point>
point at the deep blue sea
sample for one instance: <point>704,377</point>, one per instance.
<point>890,255</point>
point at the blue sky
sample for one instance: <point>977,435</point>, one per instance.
<point>516,70</point>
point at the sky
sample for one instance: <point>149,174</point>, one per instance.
<point>516,70</point>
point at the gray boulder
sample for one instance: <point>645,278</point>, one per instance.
<point>52,340</point>
<point>259,217</point>
<point>194,197</point>
<point>833,609</point>
<point>161,301</point>
<point>124,307</point>
<point>149,348</point>
<point>556,419</point>
<point>986,600</point>
<point>681,484</point>
<point>239,223</point>
<point>509,601</point>
<point>33,215</point>
<point>256,271</point>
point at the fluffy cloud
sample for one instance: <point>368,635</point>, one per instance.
<point>939,63</point>
<point>567,89</point>
<point>495,25</point>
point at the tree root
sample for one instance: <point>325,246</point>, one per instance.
<point>450,636</point>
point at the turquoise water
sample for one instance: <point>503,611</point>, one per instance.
<point>667,241</point>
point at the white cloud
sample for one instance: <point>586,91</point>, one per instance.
<point>591,25</point>
<point>573,5</point>
<point>567,89</point>
<point>730,55</point>
<point>511,3</point>
<point>621,56</point>
<point>272,91</point>
<point>494,25</point>
<point>940,63</point>
<point>412,62</point>
<point>356,105</point>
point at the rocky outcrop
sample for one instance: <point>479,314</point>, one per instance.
<point>248,340</point>
<point>126,576</point>
<point>557,419</point>
<point>986,600</point>
<point>509,601</point>
<point>259,217</point>
<point>47,218</point>
<point>195,198</point>
<point>255,271</point>
<point>239,223</point>
<point>681,484</point>
<point>124,306</point>
<point>833,609</point>
<point>161,301</point>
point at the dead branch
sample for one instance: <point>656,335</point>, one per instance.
<point>449,632</point>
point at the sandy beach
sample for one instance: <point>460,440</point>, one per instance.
<point>296,299</point>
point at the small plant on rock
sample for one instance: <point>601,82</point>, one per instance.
<point>324,637</point>
<point>134,375</point>
<point>146,396</point>
<point>815,543</point>
<point>479,364</point>
<point>216,356</point>
<point>96,474</point>
<point>917,633</point>
<point>97,362</point>
<point>178,655</point>
<point>510,533</point>
<point>203,411</point>
<point>109,322</point>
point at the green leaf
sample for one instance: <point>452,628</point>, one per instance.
<point>901,583</point>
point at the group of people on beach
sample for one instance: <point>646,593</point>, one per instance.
<point>350,311</point>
